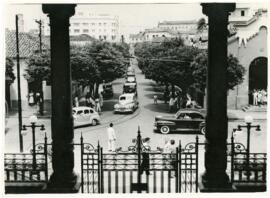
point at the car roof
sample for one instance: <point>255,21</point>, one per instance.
<point>127,94</point>
<point>192,111</point>
<point>81,108</point>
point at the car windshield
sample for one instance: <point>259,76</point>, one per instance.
<point>177,114</point>
<point>130,79</point>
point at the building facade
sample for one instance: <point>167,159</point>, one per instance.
<point>183,27</point>
<point>249,45</point>
<point>99,26</point>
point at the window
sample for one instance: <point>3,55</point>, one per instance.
<point>104,23</point>
<point>104,30</point>
<point>242,12</point>
<point>76,31</point>
<point>79,112</point>
<point>85,24</point>
<point>196,116</point>
<point>85,31</point>
<point>80,13</point>
<point>86,111</point>
<point>99,24</point>
<point>93,30</point>
<point>93,24</point>
<point>112,24</point>
<point>76,24</point>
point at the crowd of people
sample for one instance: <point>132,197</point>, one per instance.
<point>259,97</point>
<point>177,100</point>
<point>90,101</point>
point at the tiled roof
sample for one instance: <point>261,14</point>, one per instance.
<point>28,44</point>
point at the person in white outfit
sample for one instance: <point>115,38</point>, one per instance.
<point>111,138</point>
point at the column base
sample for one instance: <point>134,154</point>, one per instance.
<point>60,186</point>
<point>212,187</point>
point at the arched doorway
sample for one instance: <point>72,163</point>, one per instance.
<point>257,76</point>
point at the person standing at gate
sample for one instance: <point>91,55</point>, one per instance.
<point>145,165</point>
<point>111,138</point>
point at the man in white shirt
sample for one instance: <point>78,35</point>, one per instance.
<point>111,138</point>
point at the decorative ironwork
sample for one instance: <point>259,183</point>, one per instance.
<point>19,167</point>
<point>169,172</point>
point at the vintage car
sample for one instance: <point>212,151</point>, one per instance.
<point>85,116</point>
<point>107,90</point>
<point>127,103</point>
<point>185,120</point>
<point>130,87</point>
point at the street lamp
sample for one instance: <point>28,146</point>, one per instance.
<point>33,119</point>
<point>248,120</point>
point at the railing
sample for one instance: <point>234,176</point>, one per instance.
<point>19,167</point>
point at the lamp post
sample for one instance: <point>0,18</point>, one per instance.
<point>33,119</point>
<point>248,120</point>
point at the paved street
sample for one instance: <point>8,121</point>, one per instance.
<point>126,125</point>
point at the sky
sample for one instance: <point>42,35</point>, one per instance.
<point>132,18</point>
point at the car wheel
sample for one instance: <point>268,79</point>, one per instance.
<point>164,129</point>
<point>94,122</point>
<point>203,130</point>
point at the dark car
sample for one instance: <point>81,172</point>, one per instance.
<point>130,88</point>
<point>107,90</point>
<point>184,120</point>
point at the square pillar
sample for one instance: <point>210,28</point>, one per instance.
<point>63,179</point>
<point>215,178</point>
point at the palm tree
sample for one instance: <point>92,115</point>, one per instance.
<point>201,24</point>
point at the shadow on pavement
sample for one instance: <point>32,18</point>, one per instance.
<point>151,96</point>
<point>160,107</point>
<point>146,83</point>
<point>149,89</point>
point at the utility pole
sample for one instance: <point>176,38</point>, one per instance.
<point>39,22</point>
<point>19,85</point>
<point>41,98</point>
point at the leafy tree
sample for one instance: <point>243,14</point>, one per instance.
<point>235,71</point>
<point>172,62</point>
<point>10,77</point>
<point>38,69</point>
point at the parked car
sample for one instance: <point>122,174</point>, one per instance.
<point>130,87</point>
<point>84,116</point>
<point>192,120</point>
<point>107,90</point>
<point>126,103</point>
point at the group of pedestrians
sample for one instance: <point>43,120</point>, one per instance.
<point>177,100</point>
<point>95,103</point>
<point>36,99</point>
<point>168,150</point>
<point>259,97</point>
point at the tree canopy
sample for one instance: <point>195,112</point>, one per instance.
<point>10,77</point>
<point>185,66</point>
<point>90,63</point>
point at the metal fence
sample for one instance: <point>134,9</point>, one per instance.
<point>138,168</point>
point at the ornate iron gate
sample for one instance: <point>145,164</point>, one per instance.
<point>27,167</point>
<point>123,171</point>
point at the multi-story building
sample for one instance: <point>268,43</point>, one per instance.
<point>182,27</point>
<point>99,26</point>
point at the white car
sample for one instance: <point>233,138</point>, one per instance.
<point>127,103</point>
<point>84,116</point>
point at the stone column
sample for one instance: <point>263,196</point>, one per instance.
<point>215,178</point>
<point>63,178</point>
